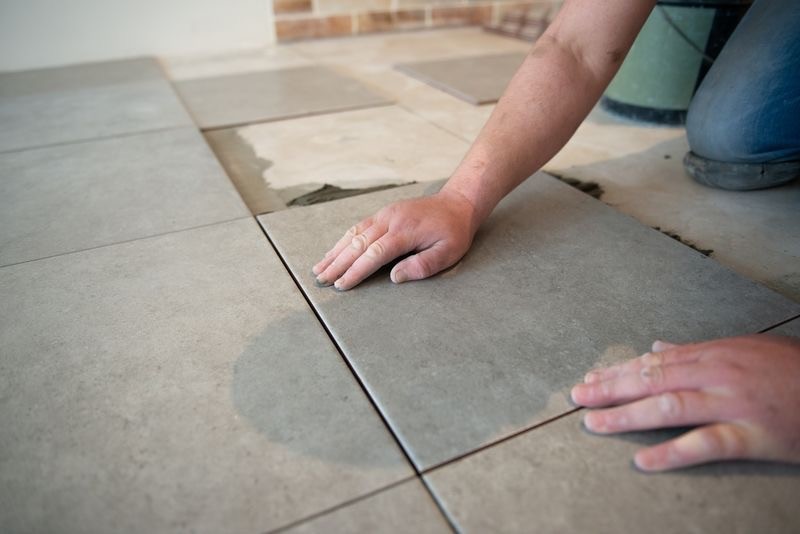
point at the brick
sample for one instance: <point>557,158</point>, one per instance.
<point>380,21</point>
<point>462,15</point>
<point>292,6</point>
<point>295,28</point>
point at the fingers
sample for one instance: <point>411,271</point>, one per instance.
<point>340,245</point>
<point>671,409</point>
<point>649,380</point>
<point>422,265</point>
<point>667,355</point>
<point>379,253</point>
<point>358,245</point>
<point>722,441</point>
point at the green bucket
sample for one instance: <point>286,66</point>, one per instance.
<point>669,59</point>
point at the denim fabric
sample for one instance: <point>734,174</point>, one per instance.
<point>747,109</point>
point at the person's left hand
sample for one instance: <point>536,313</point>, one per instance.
<point>743,393</point>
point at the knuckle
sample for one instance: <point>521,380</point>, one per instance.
<point>652,377</point>
<point>671,406</point>
<point>359,242</point>
<point>375,250</point>
<point>652,359</point>
<point>726,441</point>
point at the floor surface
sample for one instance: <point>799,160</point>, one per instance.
<point>166,366</point>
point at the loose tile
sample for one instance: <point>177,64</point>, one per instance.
<point>559,478</point>
<point>72,197</point>
<point>350,150</point>
<point>555,283</point>
<point>189,67</point>
<point>176,384</point>
<point>66,104</point>
<point>641,172</point>
<point>478,80</point>
<point>406,508</point>
<point>271,95</point>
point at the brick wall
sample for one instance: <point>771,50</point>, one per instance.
<point>312,19</point>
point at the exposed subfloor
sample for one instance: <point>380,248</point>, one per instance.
<point>167,363</point>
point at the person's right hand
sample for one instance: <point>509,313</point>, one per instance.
<point>439,228</point>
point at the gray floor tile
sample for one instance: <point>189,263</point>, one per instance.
<point>402,509</point>
<point>270,95</point>
<point>559,478</point>
<point>178,383</point>
<point>90,101</point>
<point>555,283</point>
<point>77,196</point>
<point>477,79</point>
<point>792,328</point>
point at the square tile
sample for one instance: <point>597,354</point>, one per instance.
<point>349,150</point>
<point>81,102</point>
<point>478,80</point>
<point>190,67</point>
<point>559,478</point>
<point>555,283</point>
<point>405,508</point>
<point>271,95</point>
<point>72,197</point>
<point>640,171</point>
<point>177,383</point>
<point>792,328</point>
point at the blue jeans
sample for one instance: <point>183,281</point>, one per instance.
<point>747,109</point>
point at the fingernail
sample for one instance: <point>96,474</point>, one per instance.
<point>659,346</point>
<point>591,376</point>
<point>593,422</point>
<point>400,276</point>
<point>316,269</point>
<point>575,391</point>
<point>322,282</point>
<point>339,285</point>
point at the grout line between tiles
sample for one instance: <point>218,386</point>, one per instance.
<point>360,382</point>
<point>341,505</point>
<point>386,103</point>
<point>132,240</point>
<point>790,319</point>
<point>499,441</point>
<point>95,139</point>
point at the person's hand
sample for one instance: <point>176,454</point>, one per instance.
<point>439,228</point>
<point>743,393</point>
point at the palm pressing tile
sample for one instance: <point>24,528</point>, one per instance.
<point>90,101</point>
<point>177,383</point>
<point>72,197</point>
<point>405,508</point>
<point>559,478</point>
<point>476,79</point>
<point>555,283</point>
<point>271,95</point>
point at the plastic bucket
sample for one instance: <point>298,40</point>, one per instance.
<point>669,59</point>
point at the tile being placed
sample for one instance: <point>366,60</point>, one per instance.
<point>559,478</point>
<point>349,150</point>
<point>77,196</point>
<point>478,80</point>
<point>271,95</point>
<point>555,284</point>
<point>405,508</point>
<point>176,384</point>
<point>66,104</point>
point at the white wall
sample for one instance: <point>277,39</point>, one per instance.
<point>40,33</point>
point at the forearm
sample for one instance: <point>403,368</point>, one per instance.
<point>552,92</point>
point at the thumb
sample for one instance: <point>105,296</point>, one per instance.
<point>422,265</point>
